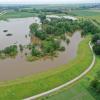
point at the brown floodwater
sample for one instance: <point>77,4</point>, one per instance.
<point>11,69</point>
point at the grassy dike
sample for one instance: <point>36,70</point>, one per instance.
<point>80,90</point>
<point>28,86</point>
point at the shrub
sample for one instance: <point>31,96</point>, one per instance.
<point>96,49</point>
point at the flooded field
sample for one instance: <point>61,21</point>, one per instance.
<point>14,68</point>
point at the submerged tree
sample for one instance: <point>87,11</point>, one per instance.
<point>10,51</point>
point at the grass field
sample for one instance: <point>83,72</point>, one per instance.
<point>17,14</point>
<point>80,13</point>
<point>25,87</point>
<point>78,92</point>
<point>85,13</point>
<point>81,90</point>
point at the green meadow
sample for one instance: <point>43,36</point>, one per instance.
<point>17,14</point>
<point>85,13</point>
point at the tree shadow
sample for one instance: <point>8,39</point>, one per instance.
<point>94,93</point>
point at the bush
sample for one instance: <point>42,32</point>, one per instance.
<point>95,38</point>
<point>50,45</point>
<point>96,49</point>
<point>10,51</point>
<point>40,34</point>
<point>62,49</point>
<point>33,28</point>
<point>94,83</point>
<point>67,40</point>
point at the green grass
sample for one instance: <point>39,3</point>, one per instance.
<point>85,13</point>
<point>17,14</point>
<point>28,86</point>
<point>80,88</point>
<point>78,92</point>
<point>96,19</point>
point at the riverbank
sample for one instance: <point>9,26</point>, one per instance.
<point>25,87</point>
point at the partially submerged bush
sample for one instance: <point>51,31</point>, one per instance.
<point>10,51</point>
<point>62,48</point>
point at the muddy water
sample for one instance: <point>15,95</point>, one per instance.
<point>14,68</point>
<point>19,28</point>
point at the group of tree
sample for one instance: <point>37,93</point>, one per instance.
<point>10,51</point>
<point>88,26</point>
<point>48,31</point>
<point>35,52</point>
<point>56,27</point>
<point>42,17</point>
<point>48,46</point>
<point>61,26</point>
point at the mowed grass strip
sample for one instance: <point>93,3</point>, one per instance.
<point>25,87</point>
<point>76,92</point>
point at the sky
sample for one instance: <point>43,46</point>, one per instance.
<point>49,1</point>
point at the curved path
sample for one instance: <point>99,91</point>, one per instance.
<point>68,83</point>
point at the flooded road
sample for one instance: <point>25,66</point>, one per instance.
<point>14,68</point>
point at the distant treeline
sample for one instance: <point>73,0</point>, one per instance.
<point>49,8</point>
